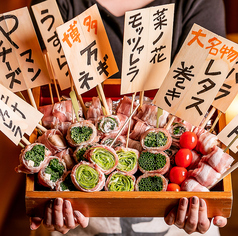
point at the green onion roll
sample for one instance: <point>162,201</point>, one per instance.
<point>81,133</point>
<point>151,182</point>
<point>156,139</point>
<point>127,160</point>
<point>154,162</point>
<point>87,177</point>
<point>118,181</point>
<point>104,157</point>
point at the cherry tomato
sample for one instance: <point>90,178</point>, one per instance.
<point>177,174</point>
<point>183,157</point>
<point>173,187</point>
<point>188,140</point>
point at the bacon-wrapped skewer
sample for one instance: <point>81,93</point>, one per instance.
<point>32,158</point>
<point>81,133</point>
<point>54,169</point>
<point>154,162</point>
<point>118,181</point>
<point>104,157</point>
<point>156,139</point>
<point>127,160</point>
<point>87,177</point>
<point>191,185</point>
<point>151,182</point>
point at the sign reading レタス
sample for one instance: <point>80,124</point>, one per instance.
<point>147,48</point>
<point>18,40</point>
<point>197,74</point>
<point>87,50</point>
<point>48,18</point>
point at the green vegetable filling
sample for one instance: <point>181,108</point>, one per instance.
<point>126,160</point>
<point>151,183</point>
<point>80,153</point>
<point>87,177</point>
<point>104,158</point>
<point>55,169</point>
<point>150,161</point>
<point>154,139</point>
<point>120,182</point>
<point>107,124</point>
<point>179,130</point>
<point>67,184</point>
<point>36,154</point>
<point>81,134</point>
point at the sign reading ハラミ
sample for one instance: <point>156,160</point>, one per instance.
<point>147,48</point>
<point>229,133</point>
<point>48,18</point>
<point>87,49</point>
<point>228,90</point>
<point>28,113</point>
<point>197,74</point>
<point>20,52</point>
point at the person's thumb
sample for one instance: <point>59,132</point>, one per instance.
<point>35,222</point>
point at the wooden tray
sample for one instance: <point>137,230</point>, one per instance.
<point>130,204</point>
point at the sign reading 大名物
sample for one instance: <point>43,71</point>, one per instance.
<point>146,48</point>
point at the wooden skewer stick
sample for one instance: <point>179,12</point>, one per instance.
<point>31,97</point>
<point>74,103</point>
<point>170,122</point>
<point>215,122</point>
<point>79,97</point>
<point>22,145</point>
<point>230,169</point>
<point>127,120</point>
<point>25,141</point>
<point>129,125</point>
<point>210,114</point>
<point>42,128</point>
<point>51,94</point>
<point>141,99</point>
<point>102,96</point>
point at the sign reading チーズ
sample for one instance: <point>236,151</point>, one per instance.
<point>48,18</point>
<point>147,48</point>
<point>87,49</point>
<point>18,40</point>
<point>197,74</point>
<point>230,132</point>
<point>28,113</point>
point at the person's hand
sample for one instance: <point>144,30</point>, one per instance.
<point>191,215</point>
<point>60,216</point>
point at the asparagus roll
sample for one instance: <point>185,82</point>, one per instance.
<point>154,162</point>
<point>127,160</point>
<point>104,157</point>
<point>151,182</point>
<point>65,184</point>
<point>53,170</point>
<point>87,177</point>
<point>53,139</point>
<point>118,181</point>
<point>107,124</point>
<point>156,139</point>
<point>32,158</point>
<point>81,133</point>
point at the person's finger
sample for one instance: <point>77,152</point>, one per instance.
<point>192,220</point>
<point>68,215</point>
<point>181,213</point>
<point>203,221</point>
<point>35,222</point>
<point>170,218</point>
<point>58,218</point>
<point>220,221</point>
<point>81,219</point>
<point>48,223</point>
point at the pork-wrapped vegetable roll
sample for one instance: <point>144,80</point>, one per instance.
<point>54,169</point>
<point>151,182</point>
<point>119,142</point>
<point>156,139</point>
<point>176,131</point>
<point>118,181</point>
<point>32,158</point>
<point>65,183</point>
<point>104,157</point>
<point>81,133</point>
<point>87,177</point>
<point>127,160</point>
<point>79,152</point>
<point>154,162</point>
<point>107,124</point>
